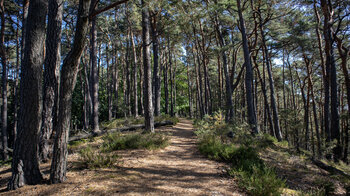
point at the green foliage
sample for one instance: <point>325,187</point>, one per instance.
<point>91,159</point>
<point>241,153</point>
<point>117,141</point>
<point>211,146</point>
<point>261,181</point>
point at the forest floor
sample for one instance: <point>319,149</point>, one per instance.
<point>178,169</point>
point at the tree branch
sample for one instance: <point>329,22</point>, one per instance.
<point>95,13</point>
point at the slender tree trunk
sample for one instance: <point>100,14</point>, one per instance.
<point>116,84</point>
<point>330,64</point>
<point>51,72</point>
<point>166,90</point>
<point>189,91</point>
<point>171,84</point>
<point>277,129</point>
<point>229,103</point>
<point>267,105</point>
<point>4,84</point>
<point>249,74</point>
<point>16,98</point>
<point>94,72</point>
<point>127,74</point>
<point>109,84</point>
<point>135,75</point>
<point>149,119</point>
<point>25,163</point>
<point>156,76</point>
<point>68,80</point>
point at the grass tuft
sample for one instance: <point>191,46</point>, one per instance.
<point>91,159</point>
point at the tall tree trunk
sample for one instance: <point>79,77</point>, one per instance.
<point>149,119</point>
<point>87,97</point>
<point>68,80</point>
<point>171,84</point>
<point>229,103</point>
<point>249,74</point>
<point>16,98</point>
<point>166,90</point>
<point>25,163</point>
<point>330,64</point>
<point>190,110</point>
<point>51,72</point>
<point>94,72</point>
<point>277,129</point>
<point>135,75</point>
<point>267,105</point>
<point>109,84</point>
<point>116,83</point>
<point>127,73</point>
<point>4,84</point>
<point>156,76</point>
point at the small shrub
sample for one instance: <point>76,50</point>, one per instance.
<point>246,159</point>
<point>91,159</point>
<point>260,182</point>
<point>150,141</point>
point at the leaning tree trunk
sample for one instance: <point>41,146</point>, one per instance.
<point>148,107</point>
<point>68,77</point>
<point>249,75</point>
<point>276,123</point>
<point>52,62</point>
<point>25,163</point>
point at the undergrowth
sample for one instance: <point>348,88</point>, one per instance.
<point>150,141</point>
<point>241,152</point>
<point>92,159</point>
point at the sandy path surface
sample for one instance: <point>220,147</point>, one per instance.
<point>178,169</point>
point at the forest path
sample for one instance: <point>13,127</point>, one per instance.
<point>179,169</point>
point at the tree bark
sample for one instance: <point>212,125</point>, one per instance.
<point>249,74</point>
<point>156,76</point>
<point>51,72</point>
<point>68,77</point>
<point>136,111</point>
<point>330,64</point>
<point>94,72</point>
<point>148,107</point>
<point>25,163</point>
<point>4,84</point>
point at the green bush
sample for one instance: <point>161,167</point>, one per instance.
<point>241,153</point>
<point>260,181</point>
<point>151,141</point>
<point>92,159</point>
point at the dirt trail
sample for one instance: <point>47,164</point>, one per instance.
<point>178,169</point>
